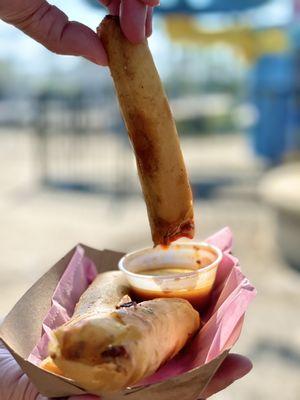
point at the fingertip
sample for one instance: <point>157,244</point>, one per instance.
<point>149,22</point>
<point>133,20</point>
<point>98,57</point>
<point>96,61</point>
<point>80,40</point>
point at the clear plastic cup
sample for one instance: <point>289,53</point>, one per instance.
<point>185,270</point>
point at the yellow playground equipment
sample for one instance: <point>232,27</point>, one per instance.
<point>249,42</point>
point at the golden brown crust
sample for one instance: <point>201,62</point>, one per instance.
<point>152,131</point>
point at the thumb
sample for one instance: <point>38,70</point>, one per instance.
<point>233,368</point>
<point>51,27</point>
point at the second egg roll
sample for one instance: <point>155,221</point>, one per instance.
<point>109,345</point>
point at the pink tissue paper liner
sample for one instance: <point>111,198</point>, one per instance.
<point>223,320</point>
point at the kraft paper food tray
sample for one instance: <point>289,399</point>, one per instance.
<point>22,329</point>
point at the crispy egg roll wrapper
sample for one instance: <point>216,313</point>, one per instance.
<point>153,134</point>
<point>106,350</point>
<point>107,291</point>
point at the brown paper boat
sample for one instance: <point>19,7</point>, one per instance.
<point>21,331</point>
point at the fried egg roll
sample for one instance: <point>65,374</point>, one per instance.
<point>152,132</point>
<point>105,350</point>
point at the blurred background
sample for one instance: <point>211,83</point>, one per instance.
<point>232,73</point>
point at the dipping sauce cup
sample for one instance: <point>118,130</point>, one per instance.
<point>184,270</point>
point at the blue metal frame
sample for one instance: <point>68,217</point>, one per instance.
<point>189,7</point>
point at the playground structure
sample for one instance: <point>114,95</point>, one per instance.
<point>273,84</point>
<point>249,43</point>
<point>271,79</point>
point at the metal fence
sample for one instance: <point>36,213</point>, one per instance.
<point>81,144</point>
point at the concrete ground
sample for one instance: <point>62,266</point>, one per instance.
<point>38,225</point>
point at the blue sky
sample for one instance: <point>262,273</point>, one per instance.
<point>16,46</point>
<point>32,57</point>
